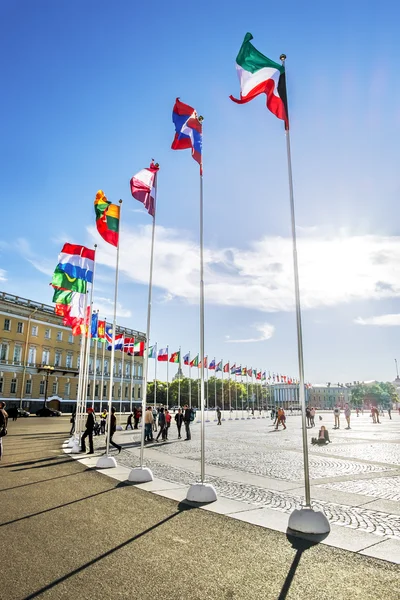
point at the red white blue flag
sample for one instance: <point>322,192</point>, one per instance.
<point>119,339</point>
<point>188,130</point>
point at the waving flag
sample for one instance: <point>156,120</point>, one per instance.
<point>195,362</point>
<point>143,187</point>
<point>233,369</point>
<point>119,339</point>
<point>175,357</point>
<point>261,75</point>
<point>186,359</point>
<point>101,331</point>
<point>212,364</point>
<point>218,367</point>
<point>258,376</point>
<point>238,370</point>
<point>153,351</point>
<point>226,368</point>
<point>129,343</point>
<point>244,371</point>
<point>107,218</point>
<point>264,376</point>
<point>77,261</point>
<point>163,354</point>
<point>188,130</point>
<point>138,349</point>
<point>95,325</point>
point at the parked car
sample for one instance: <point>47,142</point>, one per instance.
<point>48,412</point>
<point>14,411</point>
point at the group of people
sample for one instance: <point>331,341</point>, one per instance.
<point>91,429</point>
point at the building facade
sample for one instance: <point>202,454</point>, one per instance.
<point>328,395</point>
<point>39,360</point>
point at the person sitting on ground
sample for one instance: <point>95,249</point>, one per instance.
<point>323,437</point>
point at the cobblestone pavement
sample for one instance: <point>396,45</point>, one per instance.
<point>363,461</point>
<point>387,488</point>
<point>370,521</point>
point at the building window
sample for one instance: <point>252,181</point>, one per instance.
<point>59,336</point>
<point>105,390</point>
<point>68,362</point>
<point>70,339</point>
<point>45,357</point>
<point>13,386</point>
<point>96,390</point>
<point>55,387</point>
<point>3,352</point>
<point>99,344</point>
<point>41,387</point>
<point>17,354</point>
<point>90,365</point>
<point>106,367</point>
<point>47,334</point>
<point>139,392</point>
<point>20,327</point>
<point>78,362</point>
<point>140,370</point>
<point>7,325</point>
<point>126,392</point>
<point>32,356</point>
<point>1,384</point>
<point>67,389</point>
<point>28,387</point>
<point>76,392</point>
<point>127,370</point>
<point>34,330</point>
<point>88,389</point>
<point>98,367</point>
<point>57,359</point>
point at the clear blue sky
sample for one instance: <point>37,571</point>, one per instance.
<point>87,93</point>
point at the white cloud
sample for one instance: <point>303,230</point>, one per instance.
<point>106,308</point>
<point>266,332</point>
<point>333,270</point>
<point>3,275</point>
<point>392,320</point>
<point>44,266</point>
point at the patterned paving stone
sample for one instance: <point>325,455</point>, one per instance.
<point>387,488</point>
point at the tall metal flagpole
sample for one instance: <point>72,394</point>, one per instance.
<point>167,376</point>
<point>143,474</point>
<point>190,384</point>
<point>121,385</point>
<point>300,520</point>
<point>179,379</point>
<point>215,388</point>
<point>74,441</point>
<point>229,394</point>
<point>108,461</point>
<point>207,406</point>
<point>236,392</point>
<point>131,381</point>
<point>155,378</point>
<point>95,362</point>
<point>102,375</point>
<point>202,492</point>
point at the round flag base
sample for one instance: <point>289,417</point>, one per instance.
<point>75,448</point>
<point>309,521</point>
<point>140,475</point>
<point>202,493</point>
<point>119,428</point>
<point>70,442</point>
<point>236,418</point>
<point>106,462</point>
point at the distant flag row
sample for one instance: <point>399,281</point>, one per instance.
<point>163,355</point>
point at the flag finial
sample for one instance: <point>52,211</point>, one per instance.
<point>283,57</point>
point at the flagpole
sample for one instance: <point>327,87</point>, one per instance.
<point>131,380</point>
<point>222,390</point>
<point>102,375</point>
<point>207,406</point>
<point>236,393</point>
<point>155,379</point>
<point>167,376</point>
<point>247,393</point>
<point>229,393</point>
<point>202,492</point>
<point>299,520</point>
<point>121,385</point>
<point>215,388</point>
<point>108,461</point>
<point>190,384</point>
<point>74,441</point>
<point>95,362</point>
<point>179,379</point>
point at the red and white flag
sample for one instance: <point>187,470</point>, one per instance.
<point>163,354</point>
<point>143,187</point>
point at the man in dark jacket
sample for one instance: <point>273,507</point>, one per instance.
<point>3,425</point>
<point>179,421</point>
<point>161,424</point>
<point>88,432</point>
<point>186,419</point>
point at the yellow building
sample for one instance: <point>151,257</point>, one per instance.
<point>39,360</point>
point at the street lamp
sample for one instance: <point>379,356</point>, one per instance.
<point>49,369</point>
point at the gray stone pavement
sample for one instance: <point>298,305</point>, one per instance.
<point>354,480</point>
<point>69,531</point>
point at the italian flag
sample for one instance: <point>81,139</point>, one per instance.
<point>260,75</point>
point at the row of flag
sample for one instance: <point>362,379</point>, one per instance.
<point>163,355</point>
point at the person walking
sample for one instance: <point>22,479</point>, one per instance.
<point>3,425</point>
<point>129,421</point>
<point>312,416</point>
<point>179,421</point>
<point>148,425</point>
<point>136,414</point>
<point>281,418</point>
<point>308,416</point>
<point>154,418</point>
<point>72,421</point>
<point>347,414</point>
<point>187,419</point>
<point>390,413</point>
<point>161,424</point>
<point>167,423</point>
<point>103,421</point>
<point>219,415</point>
<point>88,431</point>
<point>336,412</point>
<point>113,429</point>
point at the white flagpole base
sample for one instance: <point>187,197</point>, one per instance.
<point>254,417</point>
<point>119,428</point>
<point>309,521</point>
<point>106,462</point>
<point>140,475</point>
<point>76,447</point>
<point>201,493</point>
<point>237,419</point>
<point>70,442</point>
<point>242,419</point>
<point>207,420</point>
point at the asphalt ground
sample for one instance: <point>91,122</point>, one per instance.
<point>69,532</point>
